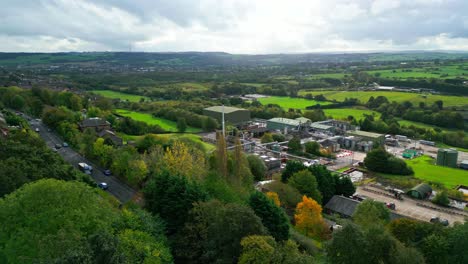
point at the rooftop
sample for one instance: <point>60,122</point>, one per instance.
<point>364,134</point>
<point>303,119</point>
<point>227,109</point>
<point>94,122</point>
<point>285,121</point>
<point>320,126</point>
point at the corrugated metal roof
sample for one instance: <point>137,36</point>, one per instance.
<point>364,134</point>
<point>320,126</point>
<point>285,121</point>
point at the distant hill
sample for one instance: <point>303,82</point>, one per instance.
<point>213,59</point>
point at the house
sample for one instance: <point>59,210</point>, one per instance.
<point>232,115</point>
<point>421,191</point>
<point>345,207</point>
<point>110,135</point>
<point>96,123</point>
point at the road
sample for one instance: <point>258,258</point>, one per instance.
<point>410,208</point>
<point>117,188</point>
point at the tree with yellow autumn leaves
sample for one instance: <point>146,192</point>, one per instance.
<point>309,219</point>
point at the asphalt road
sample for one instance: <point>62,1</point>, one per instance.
<point>117,188</point>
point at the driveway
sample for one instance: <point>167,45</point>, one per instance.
<point>117,188</point>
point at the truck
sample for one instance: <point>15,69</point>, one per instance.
<point>85,168</point>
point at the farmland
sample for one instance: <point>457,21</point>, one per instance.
<point>438,72</point>
<point>425,169</point>
<point>289,102</point>
<point>165,124</point>
<point>343,113</point>
<point>414,98</point>
<point>120,95</point>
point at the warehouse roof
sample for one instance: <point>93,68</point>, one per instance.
<point>346,206</point>
<point>422,189</point>
<point>365,134</point>
<point>303,119</point>
<point>227,109</point>
<point>285,121</point>
<point>320,126</point>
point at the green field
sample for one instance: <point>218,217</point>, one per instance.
<point>414,98</point>
<point>435,71</point>
<point>120,95</point>
<point>343,113</point>
<point>165,124</point>
<point>288,102</point>
<point>425,169</point>
<point>191,86</point>
<point>191,137</point>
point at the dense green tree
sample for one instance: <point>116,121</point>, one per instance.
<point>172,197</point>
<point>181,125</point>
<point>370,212</point>
<point>348,246</point>
<point>141,247</point>
<point>436,249</point>
<point>292,166</point>
<point>294,145</point>
<point>266,138</point>
<point>24,158</point>
<point>379,160</point>
<point>288,195</point>
<point>257,167</point>
<point>50,219</point>
<point>312,147</point>
<point>441,198</point>
<point>412,232</point>
<point>344,186</point>
<point>264,249</point>
<point>213,233</point>
<point>326,181</point>
<point>306,183</point>
<point>273,217</point>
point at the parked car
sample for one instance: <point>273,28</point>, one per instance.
<point>65,144</point>
<point>58,146</point>
<point>391,206</point>
<point>84,167</point>
<point>107,172</point>
<point>436,219</point>
<point>103,186</point>
<point>37,129</point>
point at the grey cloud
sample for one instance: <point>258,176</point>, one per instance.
<point>157,25</point>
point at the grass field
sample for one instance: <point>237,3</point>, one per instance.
<point>437,72</point>
<point>414,98</point>
<point>425,169</point>
<point>120,95</point>
<point>191,86</point>
<point>165,124</point>
<point>191,137</point>
<point>288,102</point>
<point>343,113</point>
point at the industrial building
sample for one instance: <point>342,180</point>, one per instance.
<point>367,136</point>
<point>447,157</point>
<point>340,126</point>
<point>283,124</point>
<point>317,126</point>
<point>232,115</point>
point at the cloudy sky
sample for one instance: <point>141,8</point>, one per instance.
<point>235,26</point>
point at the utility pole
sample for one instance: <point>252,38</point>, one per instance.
<point>222,116</point>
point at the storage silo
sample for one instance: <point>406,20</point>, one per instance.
<point>447,157</point>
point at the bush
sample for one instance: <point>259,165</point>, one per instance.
<point>441,198</point>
